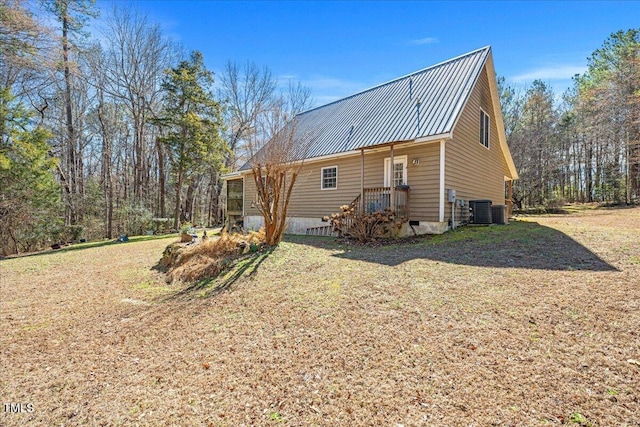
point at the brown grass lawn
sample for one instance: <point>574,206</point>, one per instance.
<point>532,324</point>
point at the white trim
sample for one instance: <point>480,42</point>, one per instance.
<point>396,159</point>
<point>488,146</point>
<point>497,114</point>
<point>322,178</point>
<point>232,175</point>
<point>471,85</point>
<point>243,203</point>
<point>434,138</point>
<point>442,164</point>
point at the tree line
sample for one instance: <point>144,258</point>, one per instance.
<point>120,131</point>
<point>584,145</point>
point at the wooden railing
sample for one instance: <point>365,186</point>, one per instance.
<point>379,198</point>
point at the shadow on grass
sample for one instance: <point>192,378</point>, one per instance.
<point>245,266</point>
<point>517,245</point>
<point>90,245</point>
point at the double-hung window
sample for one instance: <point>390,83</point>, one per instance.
<point>329,178</point>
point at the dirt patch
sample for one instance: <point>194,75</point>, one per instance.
<point>533,323</point>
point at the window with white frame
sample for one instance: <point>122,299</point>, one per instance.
<point>399,171</point>
<point>329,178</point>
<point>484,128</point>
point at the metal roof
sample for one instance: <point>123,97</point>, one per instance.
<point>421,104</point>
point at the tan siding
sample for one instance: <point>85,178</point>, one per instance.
<point>309,200</point>
<point>474,171</point>
<point>249,195</point>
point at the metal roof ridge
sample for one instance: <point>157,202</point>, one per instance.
<point>473,52</point>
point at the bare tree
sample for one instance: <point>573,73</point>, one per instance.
<point>277,163</point>
<point>72,16</point>
<point>23,43</point>
<point>137,55</point>
<point>275,169</point>
<point>247,93</point>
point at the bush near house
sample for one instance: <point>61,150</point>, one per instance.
<point>364,227</point>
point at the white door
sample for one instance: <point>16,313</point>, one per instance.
<point>399,171</point>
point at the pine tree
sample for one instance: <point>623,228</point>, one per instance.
<point>193,120</point>
<point>29,193</point>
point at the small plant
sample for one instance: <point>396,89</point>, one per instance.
<point>159,225</point>
<point>578,418</point>
<point>72,233</point>
<point>276,416</point>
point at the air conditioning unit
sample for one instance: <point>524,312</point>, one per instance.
<point>480,211</point>
<point>499,214</point>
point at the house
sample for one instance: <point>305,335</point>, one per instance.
<point>425,144</point>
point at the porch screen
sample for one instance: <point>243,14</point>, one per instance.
<point>234,197</point>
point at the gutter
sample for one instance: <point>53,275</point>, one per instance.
<point>232,175</point>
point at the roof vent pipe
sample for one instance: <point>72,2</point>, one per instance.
<point>349,137</point>
<point>410,88</point>
<point>418,113</point>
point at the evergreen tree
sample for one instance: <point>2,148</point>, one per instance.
<point>193,122</point>
<point>609,104</point>
<point>29,193</point>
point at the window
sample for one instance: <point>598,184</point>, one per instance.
<point>399,171</point>
<point>484,129</point>
<point>235,195</point>
<point>329,178</point>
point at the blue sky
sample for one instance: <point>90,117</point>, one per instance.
<point>339,48</point>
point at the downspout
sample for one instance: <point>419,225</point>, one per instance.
<point>453,215</point>
<point>442,164</point>
<point>362,204</point>
<point>510,197</point>
<point>392,192</point>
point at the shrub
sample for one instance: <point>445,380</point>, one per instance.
<point>556,203</point>
<point>133,220</point>
<point>159,225</point>
<point>72,233</point>
<point>185,227</point>
<point>364,227</point>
